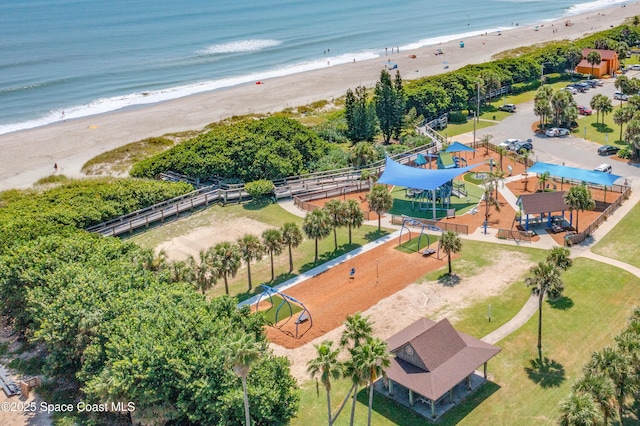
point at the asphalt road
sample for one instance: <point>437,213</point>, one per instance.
<point>572,150</point>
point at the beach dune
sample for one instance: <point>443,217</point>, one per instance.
<point>30,155</point>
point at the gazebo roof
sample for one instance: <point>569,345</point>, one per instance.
<point>447,357</point>
<point>543,202</point>
<point>458,147</point>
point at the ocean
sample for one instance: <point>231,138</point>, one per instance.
<point>64,59</point>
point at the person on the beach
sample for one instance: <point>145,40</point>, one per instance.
<point>55,167</point>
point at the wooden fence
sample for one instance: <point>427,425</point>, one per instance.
<point>514,234</point>
<point>581,236</point>
<point>302,201</point>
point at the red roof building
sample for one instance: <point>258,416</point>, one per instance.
<point>609,64</point>
<point>432,359</point>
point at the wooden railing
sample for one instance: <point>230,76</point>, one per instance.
<point>302,201</point>
<point>514,234</point>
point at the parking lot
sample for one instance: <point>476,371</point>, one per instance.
<point>573,150</point>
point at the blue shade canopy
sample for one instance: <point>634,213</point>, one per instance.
<point>420,160</point>
<point>458,147</point>
<point>589,176</point>
<point>413,177</point>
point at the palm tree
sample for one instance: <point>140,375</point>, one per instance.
<point>372,359</point>
<point>601,389</point>
<point>559,256</point>
<point>251,249</point>
<point>580,410</point>
<point>326,364</point>
<point>336,211</point>
<point>542,180</point>
<point>632,136</point>
<point>486,139</point>
<point>242,352</point>
<point>380,200</point>
<point>594,59</point>
<point>226,259</point>
<point>357,330</point>
<point>272,240</point>
<point>353,215</point>
<point>490,199</point>
<point>621,116</point>
<point>353,370</point>
<point>291,237</point>
<point>202,271</point>
<point>544,279</point>
<point>179,271</point>
<point>578,198</point>
<point>316,225</point>
<point>616,365</point>
<point>542,104</point>
<point>450,243</point>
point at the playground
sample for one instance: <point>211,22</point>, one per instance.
<point>333,295</point>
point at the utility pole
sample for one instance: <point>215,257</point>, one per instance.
<point>478,107</point>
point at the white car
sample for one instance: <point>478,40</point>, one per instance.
<point>604,168</point>
<point>635,67</point>
<point>557,131</point>
<point>509,142</point>
<point>571,90</point>
<point>621,96</point>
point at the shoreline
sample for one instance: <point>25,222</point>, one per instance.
<point>29,155</point>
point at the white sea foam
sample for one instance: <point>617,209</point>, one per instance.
<point>594,5</point>
<point>239,46</point>
<point>443,39</point>
<point>104,105</point>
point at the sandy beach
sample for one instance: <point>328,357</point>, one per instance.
<point>30,155</point>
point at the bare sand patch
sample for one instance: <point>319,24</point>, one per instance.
<point>201,238</point>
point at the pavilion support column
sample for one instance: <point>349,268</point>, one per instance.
<point>433,409</point>
<point>433,203</point>
<point>485,370</point>
<point>468,382</point>
<point>390,387</point>
<point>410,398</point>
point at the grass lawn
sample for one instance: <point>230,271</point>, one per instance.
<point>402,205</point>
<point>622,242</point>
<point>520,391</point>
<point>270,214</point>
<point>283,313</point>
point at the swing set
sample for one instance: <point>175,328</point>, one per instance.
<point>409,221</point>
<point>286,302</point>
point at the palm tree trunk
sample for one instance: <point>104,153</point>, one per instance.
<point>273,276</point>
<point>335,239</point>
<point>316,250</point>
<point>226,284</point>
<point>290,259</point>
<point>349,234</point>
<point>247,418</point>
<point>344,401</point>
<point>449,261</point>
<point>370,403</point>
<point>541,297</point>
<point>329,407</point>
<point>353,406</point>
<point>379,217</point>
<point>249,274</point>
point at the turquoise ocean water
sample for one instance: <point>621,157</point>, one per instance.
<point>88,57</point>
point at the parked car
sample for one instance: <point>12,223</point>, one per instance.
<point>507,108</point>
<point>608,150</point>
<point>571,90</point>
<point>556,131</point>
<point>621,96</point>
<point>634,67</point>
<point>521,147</point>
<point>509,142</point>
<point>583,87</point>
<point>584,110</point>
<point>604,168</point>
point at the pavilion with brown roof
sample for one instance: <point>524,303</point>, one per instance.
<point>609,63</point>
<point>543,204</point>
<point>432,359</point>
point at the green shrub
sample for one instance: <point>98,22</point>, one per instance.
<point>259,188</point>
<point>625,153</point>
<point>457,117</point>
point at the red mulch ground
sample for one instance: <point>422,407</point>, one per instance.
<point>332,295</point>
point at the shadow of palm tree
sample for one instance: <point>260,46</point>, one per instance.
<point>449,280</point>
<point>257,204</point>
<point>546,372</point>
<point>374,235</point>
<point>563,303</point>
